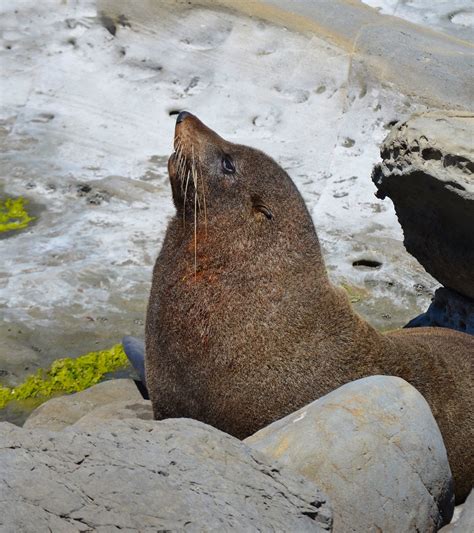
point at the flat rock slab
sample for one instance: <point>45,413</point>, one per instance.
<point>58,413</point>
<point>148,476</point>
<point>374,447</point>
<point>432,66</point>
<point>427,170</point>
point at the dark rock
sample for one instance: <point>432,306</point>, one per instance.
<point>83,189</point>
<point>464,522</point>
<point>449,309</point>
<point>427,170</point>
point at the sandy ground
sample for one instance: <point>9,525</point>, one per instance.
<point>85,132</point>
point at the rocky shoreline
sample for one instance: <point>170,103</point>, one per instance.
<point>427,170</point>
<point>368,455</point>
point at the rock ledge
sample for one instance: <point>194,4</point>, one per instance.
<point>427,170</point>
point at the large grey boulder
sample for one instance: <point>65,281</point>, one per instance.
<point>374,447</point>
<point>138,475</point>
<point>427,170</point>
<point>63,411</point>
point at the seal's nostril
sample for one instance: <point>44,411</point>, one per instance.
<point>182,116</point>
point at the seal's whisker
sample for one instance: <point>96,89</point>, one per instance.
<point>194,173</point>
<point>179,157</point>
<point>177,148</point>
<point>181,173</point>
<point>196,206</point>
<point>181,167</point>
<point>195,234</point>
<point>203,200</point>
<point>185,195</point>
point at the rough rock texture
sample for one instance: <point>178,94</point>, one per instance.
<point>148,476</point>
<point>449,309</point>
<point>427,170</point>
<point>375,448</point>
<point>124,410</point>
<point>64,411</point>
<point>464,523</point>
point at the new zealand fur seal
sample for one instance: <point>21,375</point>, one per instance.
<point>243,326</point>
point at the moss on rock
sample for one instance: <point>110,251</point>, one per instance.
<point>66,376</point>
<point>355,294</point>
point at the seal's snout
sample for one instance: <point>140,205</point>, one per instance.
<point>182,116</point>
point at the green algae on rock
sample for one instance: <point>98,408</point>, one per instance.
<point>355,293</point>
<point>13,214</point>
<point>66,376</point>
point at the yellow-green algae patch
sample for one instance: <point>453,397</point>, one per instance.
<point>13,214</point>
<point>355,294</point>
<point>66,376</point>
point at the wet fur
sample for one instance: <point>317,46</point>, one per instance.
<point>243,326</point>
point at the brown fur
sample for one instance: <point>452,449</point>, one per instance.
<point>243,326</point>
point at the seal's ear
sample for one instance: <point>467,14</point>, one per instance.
<point>259,206</point>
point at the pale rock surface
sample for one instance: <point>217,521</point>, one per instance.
<point>139,475</point>
<point>427,170</point>
<point>374,447</point>
<point>423,64</point>
<point>456,17</point>
<point>58,413</point>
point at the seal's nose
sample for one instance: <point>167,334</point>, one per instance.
<point>182,116</point>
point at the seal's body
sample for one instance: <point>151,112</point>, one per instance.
<point>244,327</point>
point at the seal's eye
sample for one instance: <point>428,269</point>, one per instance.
<point>228,165</point>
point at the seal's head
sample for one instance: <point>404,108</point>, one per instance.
<point>211,176</point>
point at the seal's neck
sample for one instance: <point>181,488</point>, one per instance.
<point>261,249</point>
<point>279,281</point>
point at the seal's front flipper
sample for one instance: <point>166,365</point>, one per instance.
<point>135,351</point>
